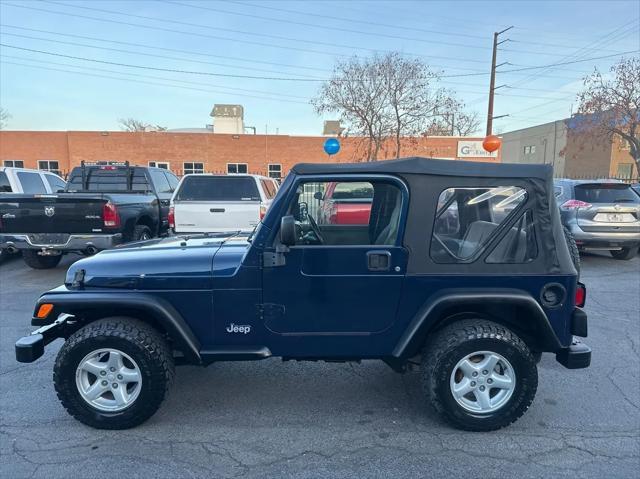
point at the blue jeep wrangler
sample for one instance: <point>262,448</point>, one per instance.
<point>459,269</point>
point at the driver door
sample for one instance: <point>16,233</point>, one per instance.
<point>343,277</point>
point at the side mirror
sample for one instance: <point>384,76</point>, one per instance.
<point>317,195</point>
<point>288,230</point>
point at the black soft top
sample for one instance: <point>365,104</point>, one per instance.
<point>429,166</point>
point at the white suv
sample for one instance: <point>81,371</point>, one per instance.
<point>204,203</point>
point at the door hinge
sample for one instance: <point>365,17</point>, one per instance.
<point>275,258</point>
<point>270,310</point>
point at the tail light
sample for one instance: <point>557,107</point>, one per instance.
<point>581,295</point>
<point>575,204</point>
<point>263,211</point>
<point>110,215</point>
<point>172,218</point>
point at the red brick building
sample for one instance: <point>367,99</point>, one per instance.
<point>208,152</point>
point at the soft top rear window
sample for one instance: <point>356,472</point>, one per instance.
<point>218,188</point>
<point>5,186</point>
<point>606,193</point>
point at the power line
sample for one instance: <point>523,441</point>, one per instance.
<point>155,83</point>
<point>315,41</point>
<point>340,29</point>
<point>255,77</point>
<point>156,47</point>
<point>216,37</point>
<point>252,90</point>
<point>146,54</point>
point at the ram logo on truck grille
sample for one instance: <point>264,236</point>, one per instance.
<point>49,211</point>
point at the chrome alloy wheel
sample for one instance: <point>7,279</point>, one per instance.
<point>108,379</point>
<point>482,382</point>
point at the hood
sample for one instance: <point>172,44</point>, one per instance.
<point>177,262</point>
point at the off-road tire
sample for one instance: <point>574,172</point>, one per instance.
<point>141,233</point>
<point>144,344</point>
<point>573,249</point>
<point>37,261</point>
<point>625,254</point>
<point>450,345</point>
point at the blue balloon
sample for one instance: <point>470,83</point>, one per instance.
<point>331,146</point>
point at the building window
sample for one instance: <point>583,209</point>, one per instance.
<point>275,171</point>
<point>49,165</point>
<point>529,150</point>
<point>190,168</point>
<point>235,168</point>
<point>14,163</point>
<point>159,164</point>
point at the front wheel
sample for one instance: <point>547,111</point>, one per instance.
<point>479,375</point>
<point>113,373</point>
<point>625,253</point>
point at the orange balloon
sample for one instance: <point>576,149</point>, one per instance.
<point>491,143</point>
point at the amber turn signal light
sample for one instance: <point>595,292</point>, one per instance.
<point>44,310</point>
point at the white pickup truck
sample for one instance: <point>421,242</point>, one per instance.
<point>204,203</point>
<point>34,182</point>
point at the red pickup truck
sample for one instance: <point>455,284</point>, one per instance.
<point>347,203</point>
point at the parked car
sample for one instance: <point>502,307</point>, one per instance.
<point>601,215</point>
<point>474,306</point>
<point>345,203</point>
<point>204,203</point>
<point>23,180</point>
<point>103,205</point>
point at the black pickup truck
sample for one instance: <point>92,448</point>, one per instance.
<point>104,204</point>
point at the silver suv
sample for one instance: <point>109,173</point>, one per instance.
<point>601,215</point>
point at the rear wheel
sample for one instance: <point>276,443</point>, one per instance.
<point>113,373</point>
<point>479,375</point>
<point>141,233</point>
<point>625,253</point>
<point>37,261</point>
<point>573,249</point>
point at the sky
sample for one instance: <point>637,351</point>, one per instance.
<point>82,65</point>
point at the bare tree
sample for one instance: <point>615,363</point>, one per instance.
<point>452,119</point>
<point>384,98</point>
<point>357,91</point>
<point>610,107</point>
<point>131,124</point>
<point>4,118</point>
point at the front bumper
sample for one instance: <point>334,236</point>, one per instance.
<point>31,347</point>
<point>576,356</point>
<point>72,242</point>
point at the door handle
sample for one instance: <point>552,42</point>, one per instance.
<point>378,260</point>
<point>216,210</point>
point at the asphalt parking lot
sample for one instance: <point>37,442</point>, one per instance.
<point>274,419</point>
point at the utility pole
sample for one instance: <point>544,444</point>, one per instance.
<point>492,85</point>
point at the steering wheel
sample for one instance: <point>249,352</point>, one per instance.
<point>314,227</point>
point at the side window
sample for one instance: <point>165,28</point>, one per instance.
<point>173,180</point>
<point>5,186</point>
<point>31,183</point>
<point>467,219</point>
<point>160,181</point>
<point>268,188</point>
<point>347,213</point>
<point>55,183</point>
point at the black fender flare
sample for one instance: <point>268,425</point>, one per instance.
<point>159,309</point>
<point>417,332</point>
